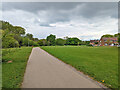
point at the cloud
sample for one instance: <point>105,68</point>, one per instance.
<point>83,20</point>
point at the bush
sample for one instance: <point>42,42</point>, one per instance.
<point>43,42</point>
<point>60,42</point>
<point>9,42</point>
<point>35,44</point>
<point>89,45</point>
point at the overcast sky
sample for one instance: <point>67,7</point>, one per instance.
<point>83,20</point>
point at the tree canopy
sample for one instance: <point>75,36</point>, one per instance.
<point>108,35</point>
<point>60,41</point>
<point>73,41</point>
<point>12,36</point>
<point>51,39</point>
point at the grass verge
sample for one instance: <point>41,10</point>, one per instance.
<point>13,66</point>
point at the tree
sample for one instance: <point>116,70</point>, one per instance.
<point>19,39</point>
<point>51,39</point>
<point>119,40</point>
<point>30,36</point>
<point>35,39</point>
<point>9,42</point>
<point>108,35</point>
<point>96,42</point>
<point>73,41</point>
<point>35,43</point>
<point>12,32</point>
<point>31,42</point>
<point>42,42</point>
<point>60,41</point>
<point>117,35</point>
<point>18,30</point>
<point>25,41</point>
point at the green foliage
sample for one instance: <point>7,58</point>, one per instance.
<point>35,39</point>
<point>117,35</point>
<point>42,42</point>
<point>19,30</point>
<point>51,39</point>
<point>108,35</point>
<point>25,41</point>
<point>12,29</point>
<point>35,43</point>
<point>30,36</point>
<point>89,45</point>
<point>60,41</point>
<point>72,41</point>
<point>6,25</point>
<point>96,42</point>
<point>119,39</point>
<point>8,42</point>
<point>11,35</point>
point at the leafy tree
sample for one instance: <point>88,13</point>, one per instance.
<point>35,39</point>
<point>60,41</point>
<point>31,42</point>
<point>19,39</point>
<point>18,30</point>
<point>117,35</point>
<point>96,42</point>
<point>35,43</point>
<point>108,35</point>
<point>119,40</point>
<point>42,42</point>
<point>30,36</point>
<point>25,41</point>
<point>9,42</point>
<point>6,25</point>
<point>51,39</point>
<point>12,29</point>
<point>73,41</point>
<point>87,42</point>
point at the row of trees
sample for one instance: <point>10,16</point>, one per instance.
<point>52,41</point>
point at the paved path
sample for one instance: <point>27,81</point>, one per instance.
<point>45,71</point>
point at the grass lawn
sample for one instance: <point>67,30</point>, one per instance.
<point>13,72</point>
<point>101,63</point>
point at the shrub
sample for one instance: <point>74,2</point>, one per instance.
<point>89,45</point>
<point>9,42</point>
<point>60,41</point>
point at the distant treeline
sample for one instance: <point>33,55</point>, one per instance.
<point>15,36</point>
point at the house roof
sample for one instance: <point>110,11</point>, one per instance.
<point>94,41</point>
<point>110,38</point>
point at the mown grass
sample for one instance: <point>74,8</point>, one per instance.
<point>13,72</point>
<point>100,63</point>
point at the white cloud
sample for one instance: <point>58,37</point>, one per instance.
<point>42,24</point>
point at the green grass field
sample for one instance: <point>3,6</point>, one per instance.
<point>12,73</point>
<point>100,63</point>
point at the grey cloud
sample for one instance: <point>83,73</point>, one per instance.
<point>90,10</point>
<point>45,25</point>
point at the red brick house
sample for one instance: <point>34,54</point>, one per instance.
<point>108,41</point>
<point>94,42</point>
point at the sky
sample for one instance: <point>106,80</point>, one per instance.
<point>85,20</point>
